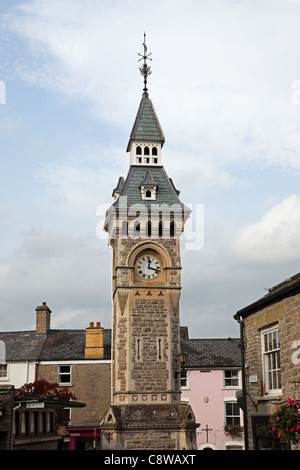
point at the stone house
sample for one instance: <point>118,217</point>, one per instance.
<point>270,336</point>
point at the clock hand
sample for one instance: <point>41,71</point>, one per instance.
<point>154,269</point>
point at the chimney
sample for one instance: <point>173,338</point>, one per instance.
<point>43,314</point>
<point>94,341</point>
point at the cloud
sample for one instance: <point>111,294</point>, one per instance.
<point>218,75</point>
<point>68,272</point>
<point>9,126</point>
<point>274,239</point>
<point>223,82</point>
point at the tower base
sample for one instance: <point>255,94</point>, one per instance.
<point>149,427</point>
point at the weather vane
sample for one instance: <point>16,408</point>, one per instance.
<point>145,69</point>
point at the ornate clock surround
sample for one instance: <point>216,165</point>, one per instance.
<point>151,249</point>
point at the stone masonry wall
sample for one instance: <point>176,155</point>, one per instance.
<point>91,384</point>
<point>285,313</point>
<point>146,322</point>
<point>151,440</point>
<point>150,345</point>
<point>6,400</point>
<point>289,327</point>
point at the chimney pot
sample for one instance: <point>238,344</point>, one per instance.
<point>98,324</point>
<point>91,324</point>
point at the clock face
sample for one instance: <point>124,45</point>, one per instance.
<point>148,267</point>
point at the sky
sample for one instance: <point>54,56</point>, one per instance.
<point>225,84</point>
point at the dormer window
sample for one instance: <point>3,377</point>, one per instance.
<point>148,187</point>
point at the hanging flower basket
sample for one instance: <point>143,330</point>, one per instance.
<point>286,421</point>
<point>233,430</point>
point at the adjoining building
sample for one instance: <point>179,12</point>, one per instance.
<point>270,337</point>
<point>210,381</point>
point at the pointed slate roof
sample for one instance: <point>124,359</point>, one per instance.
<point>119,187</point>
<point>149,180</point>
<point>146,126</point>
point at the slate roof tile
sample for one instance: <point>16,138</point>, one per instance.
<point>165,192</point>
<point>69,345</point>
<point>146,126</point>
<point>212,352</point>
<point>56,345</point>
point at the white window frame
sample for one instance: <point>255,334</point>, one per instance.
<point>271,360</point>
<point>184,379</point>
<point>60,374</point>
<point>152,190</point>
<point>231,401</point>
<point>2,377</point>
<point>237,377</point>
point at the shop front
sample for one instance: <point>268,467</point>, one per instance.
<point>264,438</point>
<point>84,437</point>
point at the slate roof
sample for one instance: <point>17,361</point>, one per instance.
<point>212,352</point>
<point>22,345</point>
<point>55,346</point>
<point>166,192</point>
<point>287,288</point>
<point>148,180</point>
<point>67,345</point>
<point>146,126</point>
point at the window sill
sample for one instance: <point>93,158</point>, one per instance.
<point>275,396</point>
<point>234,387</point>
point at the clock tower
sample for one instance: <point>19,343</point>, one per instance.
<point>144,226</point>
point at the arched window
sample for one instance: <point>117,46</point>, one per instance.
<point>138,150</point>
<point>148,229</point>
<point>172,229</point>
<point>137,229</point>
<point>160,229</point>
<point>154,151</point>
<point>146,151</point>
<point>148,193</point>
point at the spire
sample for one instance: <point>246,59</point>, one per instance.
<point>145,69</point>
<point>146,126</point>
<point>146,138</point>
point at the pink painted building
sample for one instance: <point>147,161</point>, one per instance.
<point>210,381</point>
